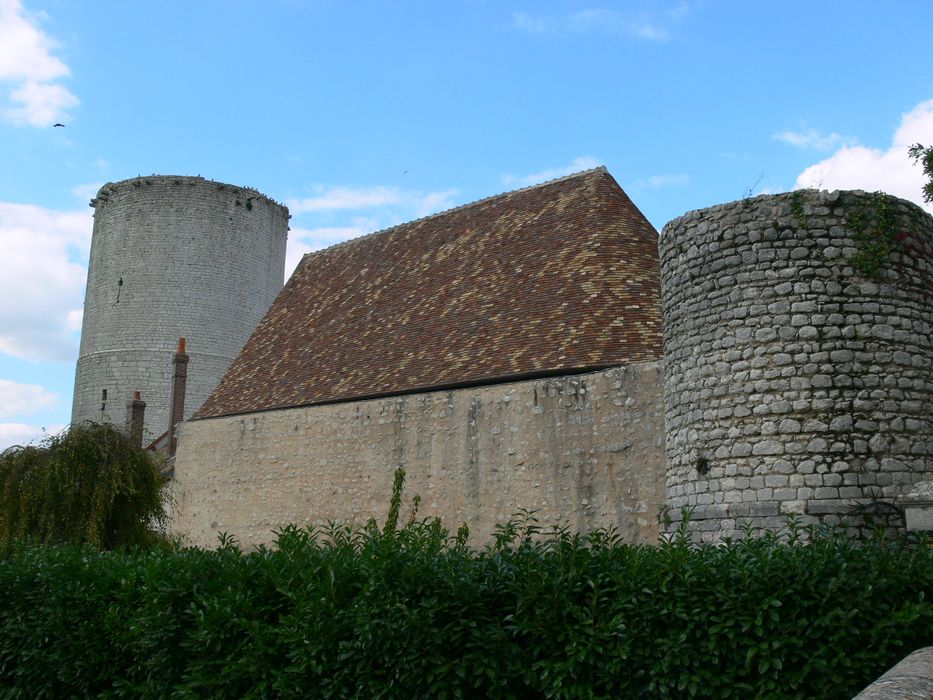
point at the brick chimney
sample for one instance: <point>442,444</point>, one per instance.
<point>180,379</point>
<point>135,414</point>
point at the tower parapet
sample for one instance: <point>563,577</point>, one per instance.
<point>798,345</point>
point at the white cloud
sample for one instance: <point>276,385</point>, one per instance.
<point>42,278</point>
<point>813,138</point>
<point>25,52</point>
<point>433,202</point>
<point>334,214</point>
<point>304,240</point>
<point>75,319</point>
<point>295,251</point>
<point>578,164</point>
<point>657,182</point>
<point>646,26</point>
<point>22,434</point>
<point>23,399</point>
<point>344,198</point>
<point>330,198</point>
<point>87,191</point>
<point>29,69</point>
<point>532,23</point>
<point>614,22</point>
<point>40,104</point>
<point>647,30</point>
<point>681,10</point>
<point>891,170</point>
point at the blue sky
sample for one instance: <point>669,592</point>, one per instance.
<point>360,115</point>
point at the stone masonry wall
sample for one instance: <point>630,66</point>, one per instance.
<point>796,382</point>
<point>584,451</point>
<point>172,257</point>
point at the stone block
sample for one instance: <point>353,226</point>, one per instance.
<point>850,492</point>
<point>826,507</point>
<point>768,447</point>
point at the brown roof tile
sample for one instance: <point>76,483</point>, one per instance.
<point>561,276</point>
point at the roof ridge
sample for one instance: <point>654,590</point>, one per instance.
<point>481,200</point>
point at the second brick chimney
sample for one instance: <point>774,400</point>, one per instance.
<point>179,381</point>
<point>135,415</point>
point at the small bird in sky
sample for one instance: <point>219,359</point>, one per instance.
<point>57,124</point>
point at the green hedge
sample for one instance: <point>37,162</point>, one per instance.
<point>414,613</point>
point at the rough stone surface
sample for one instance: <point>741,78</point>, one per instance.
<point>172,257</point>
<point>911,679</point>
<point>917,504</point>
<point>583,451</point>
<point>783,361</point>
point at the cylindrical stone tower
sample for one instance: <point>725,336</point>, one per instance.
<point>172,257</point>
<point>798,359</point>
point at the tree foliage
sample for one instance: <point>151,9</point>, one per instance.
<point>90,484</point>
<point>923,155</point>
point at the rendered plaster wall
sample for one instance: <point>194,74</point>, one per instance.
<point>584,451</point>
<point>172,257</point>
<point>795,383</point>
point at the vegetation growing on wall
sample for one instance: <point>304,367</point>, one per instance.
<point>875,224</point>
<point>90,485</point>
<point>877,227</point>
<point>796,209</point>
<point>383,612</point>
<point>880,227</point>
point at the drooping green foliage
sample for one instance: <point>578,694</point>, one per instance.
<point>411,612</point>
<point>923,155</point>
<point>90,484</point>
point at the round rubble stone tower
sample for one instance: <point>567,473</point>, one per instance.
<point>798,344</point>
<point>172,257</point>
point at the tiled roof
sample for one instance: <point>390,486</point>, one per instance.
<point>558,277</point>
